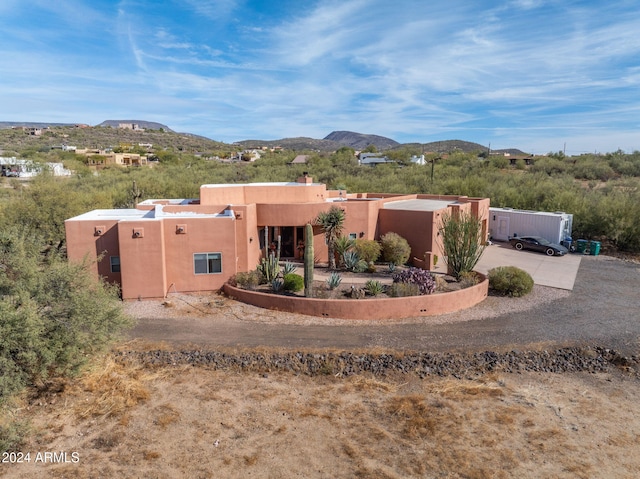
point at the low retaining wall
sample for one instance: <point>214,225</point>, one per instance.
<point>371,308</point>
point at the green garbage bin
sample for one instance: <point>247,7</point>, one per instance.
<point>594,248</point>
<point>581,246</point>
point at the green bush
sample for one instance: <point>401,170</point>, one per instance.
<point>395,249</point>
<point>368,250</point>
<point>510,281</point>
<point>293,282</point>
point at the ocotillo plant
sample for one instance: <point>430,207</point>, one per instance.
<point>308,261</point>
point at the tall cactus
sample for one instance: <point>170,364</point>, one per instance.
<point>308,261</point>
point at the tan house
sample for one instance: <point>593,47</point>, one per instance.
<point>184,245</point>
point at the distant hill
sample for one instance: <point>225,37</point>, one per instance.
<point>359,141</point>
<point>298,144</point>
<point>149,125</point>
<point>30,124</point>
<point>101,137</point>
<point>107,134</point>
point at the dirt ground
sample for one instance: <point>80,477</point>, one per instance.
<point>126,421</point>
<point>129,421</point>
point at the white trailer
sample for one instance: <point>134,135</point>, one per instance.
<point>505,223</point>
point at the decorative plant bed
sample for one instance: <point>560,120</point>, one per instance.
<point>337,305</point>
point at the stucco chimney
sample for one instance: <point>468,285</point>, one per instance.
<point>305,178</point>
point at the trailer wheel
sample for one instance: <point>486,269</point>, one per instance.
<point>550,252</point>
<point>518,246</point>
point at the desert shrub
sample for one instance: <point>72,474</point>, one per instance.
<point>510,281</point>
<point>420,277</point>
<point>368,250</point>
<point>293,282</point>
<point>247,280</point>
<point>334,280</point>
<point>374,287</point>
<point>395,249</point>
<point>401,290</point>
<point>53,314</point>
<point>371,267</point>
<point>441,283</point>
<point>468,279</point>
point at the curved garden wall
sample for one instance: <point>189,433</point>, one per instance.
<point>372,308</point>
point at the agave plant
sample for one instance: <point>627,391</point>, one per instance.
<point>277,285</point>
<point>288,268</point>
<point>374,287</point>
<point>334,280</point>
<point>352,262</point>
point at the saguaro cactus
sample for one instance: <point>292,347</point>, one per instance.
<point>308,261</point>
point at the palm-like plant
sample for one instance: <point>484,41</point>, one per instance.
<point>332,224</point>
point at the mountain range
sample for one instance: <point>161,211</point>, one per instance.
<point>332,142</point>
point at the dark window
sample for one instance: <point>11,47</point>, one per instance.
<point>207,263</point>
<point>115,263</point>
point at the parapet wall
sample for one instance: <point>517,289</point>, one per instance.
<point>372,308</point>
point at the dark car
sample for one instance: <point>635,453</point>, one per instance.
<point>536,243</point>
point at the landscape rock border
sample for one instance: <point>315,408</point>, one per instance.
<point>592,359</point>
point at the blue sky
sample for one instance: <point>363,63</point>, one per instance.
<point>530,74</point>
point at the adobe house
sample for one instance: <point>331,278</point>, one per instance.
<point>182,245</point>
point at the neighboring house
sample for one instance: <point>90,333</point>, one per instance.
<point>28,169</point>
<point>101,158</point>
<point>130,126</point>
<point>373,159</point>
<point>178,245</point>
<point>418,160</point>
<point>300,160</point>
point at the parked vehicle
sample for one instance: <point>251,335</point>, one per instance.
<point>537,243</point>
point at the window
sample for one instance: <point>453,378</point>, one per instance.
<point>115,263</point>
<point>353,236</point>
<point>207,263</point>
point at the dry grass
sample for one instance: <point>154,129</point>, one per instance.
<point>111,389</point>
<point>195,422</point>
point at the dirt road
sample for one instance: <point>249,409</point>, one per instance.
<point>603,309</point>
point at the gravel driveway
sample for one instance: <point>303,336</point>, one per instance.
<point>603,309</point>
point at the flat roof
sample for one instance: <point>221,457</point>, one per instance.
<point>282,183</point>
<point>529,212</point>
<point>130,214</point>
<point>419,204</point>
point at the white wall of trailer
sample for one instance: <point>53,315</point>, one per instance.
<point>504,223</point>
